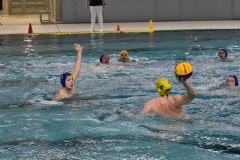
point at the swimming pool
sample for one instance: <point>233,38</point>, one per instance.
<point>102,121</point>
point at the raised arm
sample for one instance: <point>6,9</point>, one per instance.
<point>186,98</point>
<point>78,62</point>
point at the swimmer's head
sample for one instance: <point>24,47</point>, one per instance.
<point>222,54</point>
<point>232,81</point>
<point>104,58</point>
<point>65,80</point>
<point>123,56</point>
<point>163,86</point>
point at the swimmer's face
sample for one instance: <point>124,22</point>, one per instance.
<point>221,54</point>
<point>124,57</point>
<point>230,82</point>
<point>69,82</point>
<point>105,59</point>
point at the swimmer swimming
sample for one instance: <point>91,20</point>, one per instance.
<point>231,81</point>
<point>223,55</point>
<point>67,79</point>
<point>166,104</point>
<point>124,57</point>
<point>104,59</point>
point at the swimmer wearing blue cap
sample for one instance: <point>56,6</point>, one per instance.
<point>223,55</point>
<point>166,104</point>
<point>104,59</point>
<point>232,81</point>
<point>67,79</point>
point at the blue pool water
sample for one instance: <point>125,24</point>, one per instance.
<point>102,121</point>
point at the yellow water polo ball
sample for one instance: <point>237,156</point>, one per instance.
<point>183,70</point>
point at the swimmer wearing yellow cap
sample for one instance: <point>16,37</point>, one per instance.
<point>166,104</point>
<point>123,57</point>
<point>163,86</point>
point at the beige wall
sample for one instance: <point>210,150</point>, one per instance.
<point>5,7</point>
<point>74,11</point>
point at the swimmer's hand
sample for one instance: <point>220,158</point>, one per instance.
<point>78,48</point>
<point>181,80</point>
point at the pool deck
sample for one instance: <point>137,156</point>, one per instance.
<point>112,27</point>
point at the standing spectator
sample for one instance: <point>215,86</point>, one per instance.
<point>96,8</point>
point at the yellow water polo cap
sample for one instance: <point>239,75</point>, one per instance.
<point>123,58</point>
<point>163,86</point>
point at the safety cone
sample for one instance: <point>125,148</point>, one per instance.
<point>151,28</point>
<point>30,31</point>
<point>118,28</point>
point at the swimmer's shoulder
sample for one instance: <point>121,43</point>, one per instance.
<point>60,94</point>
<point>153,102</point>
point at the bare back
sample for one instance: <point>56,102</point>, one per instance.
<point>168,105</point>
<point>165,105</point>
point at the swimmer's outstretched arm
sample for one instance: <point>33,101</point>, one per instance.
<point>186,98</point>
<point>78,62</point>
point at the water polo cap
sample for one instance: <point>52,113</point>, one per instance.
<point>163,86</point>
<point>64,77</point>
<point>225,51</point>
<point>235,78</point>
<point>123,52</point>
<point>101,58</point>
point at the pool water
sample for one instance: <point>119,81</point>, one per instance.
<point>102,121</point>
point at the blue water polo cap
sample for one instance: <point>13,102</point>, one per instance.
<point>235,78</point>
<point>225,51</point>
<point>64,77</point>
<point>101,58</point>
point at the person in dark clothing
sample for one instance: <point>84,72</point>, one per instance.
<point>96,9</point>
